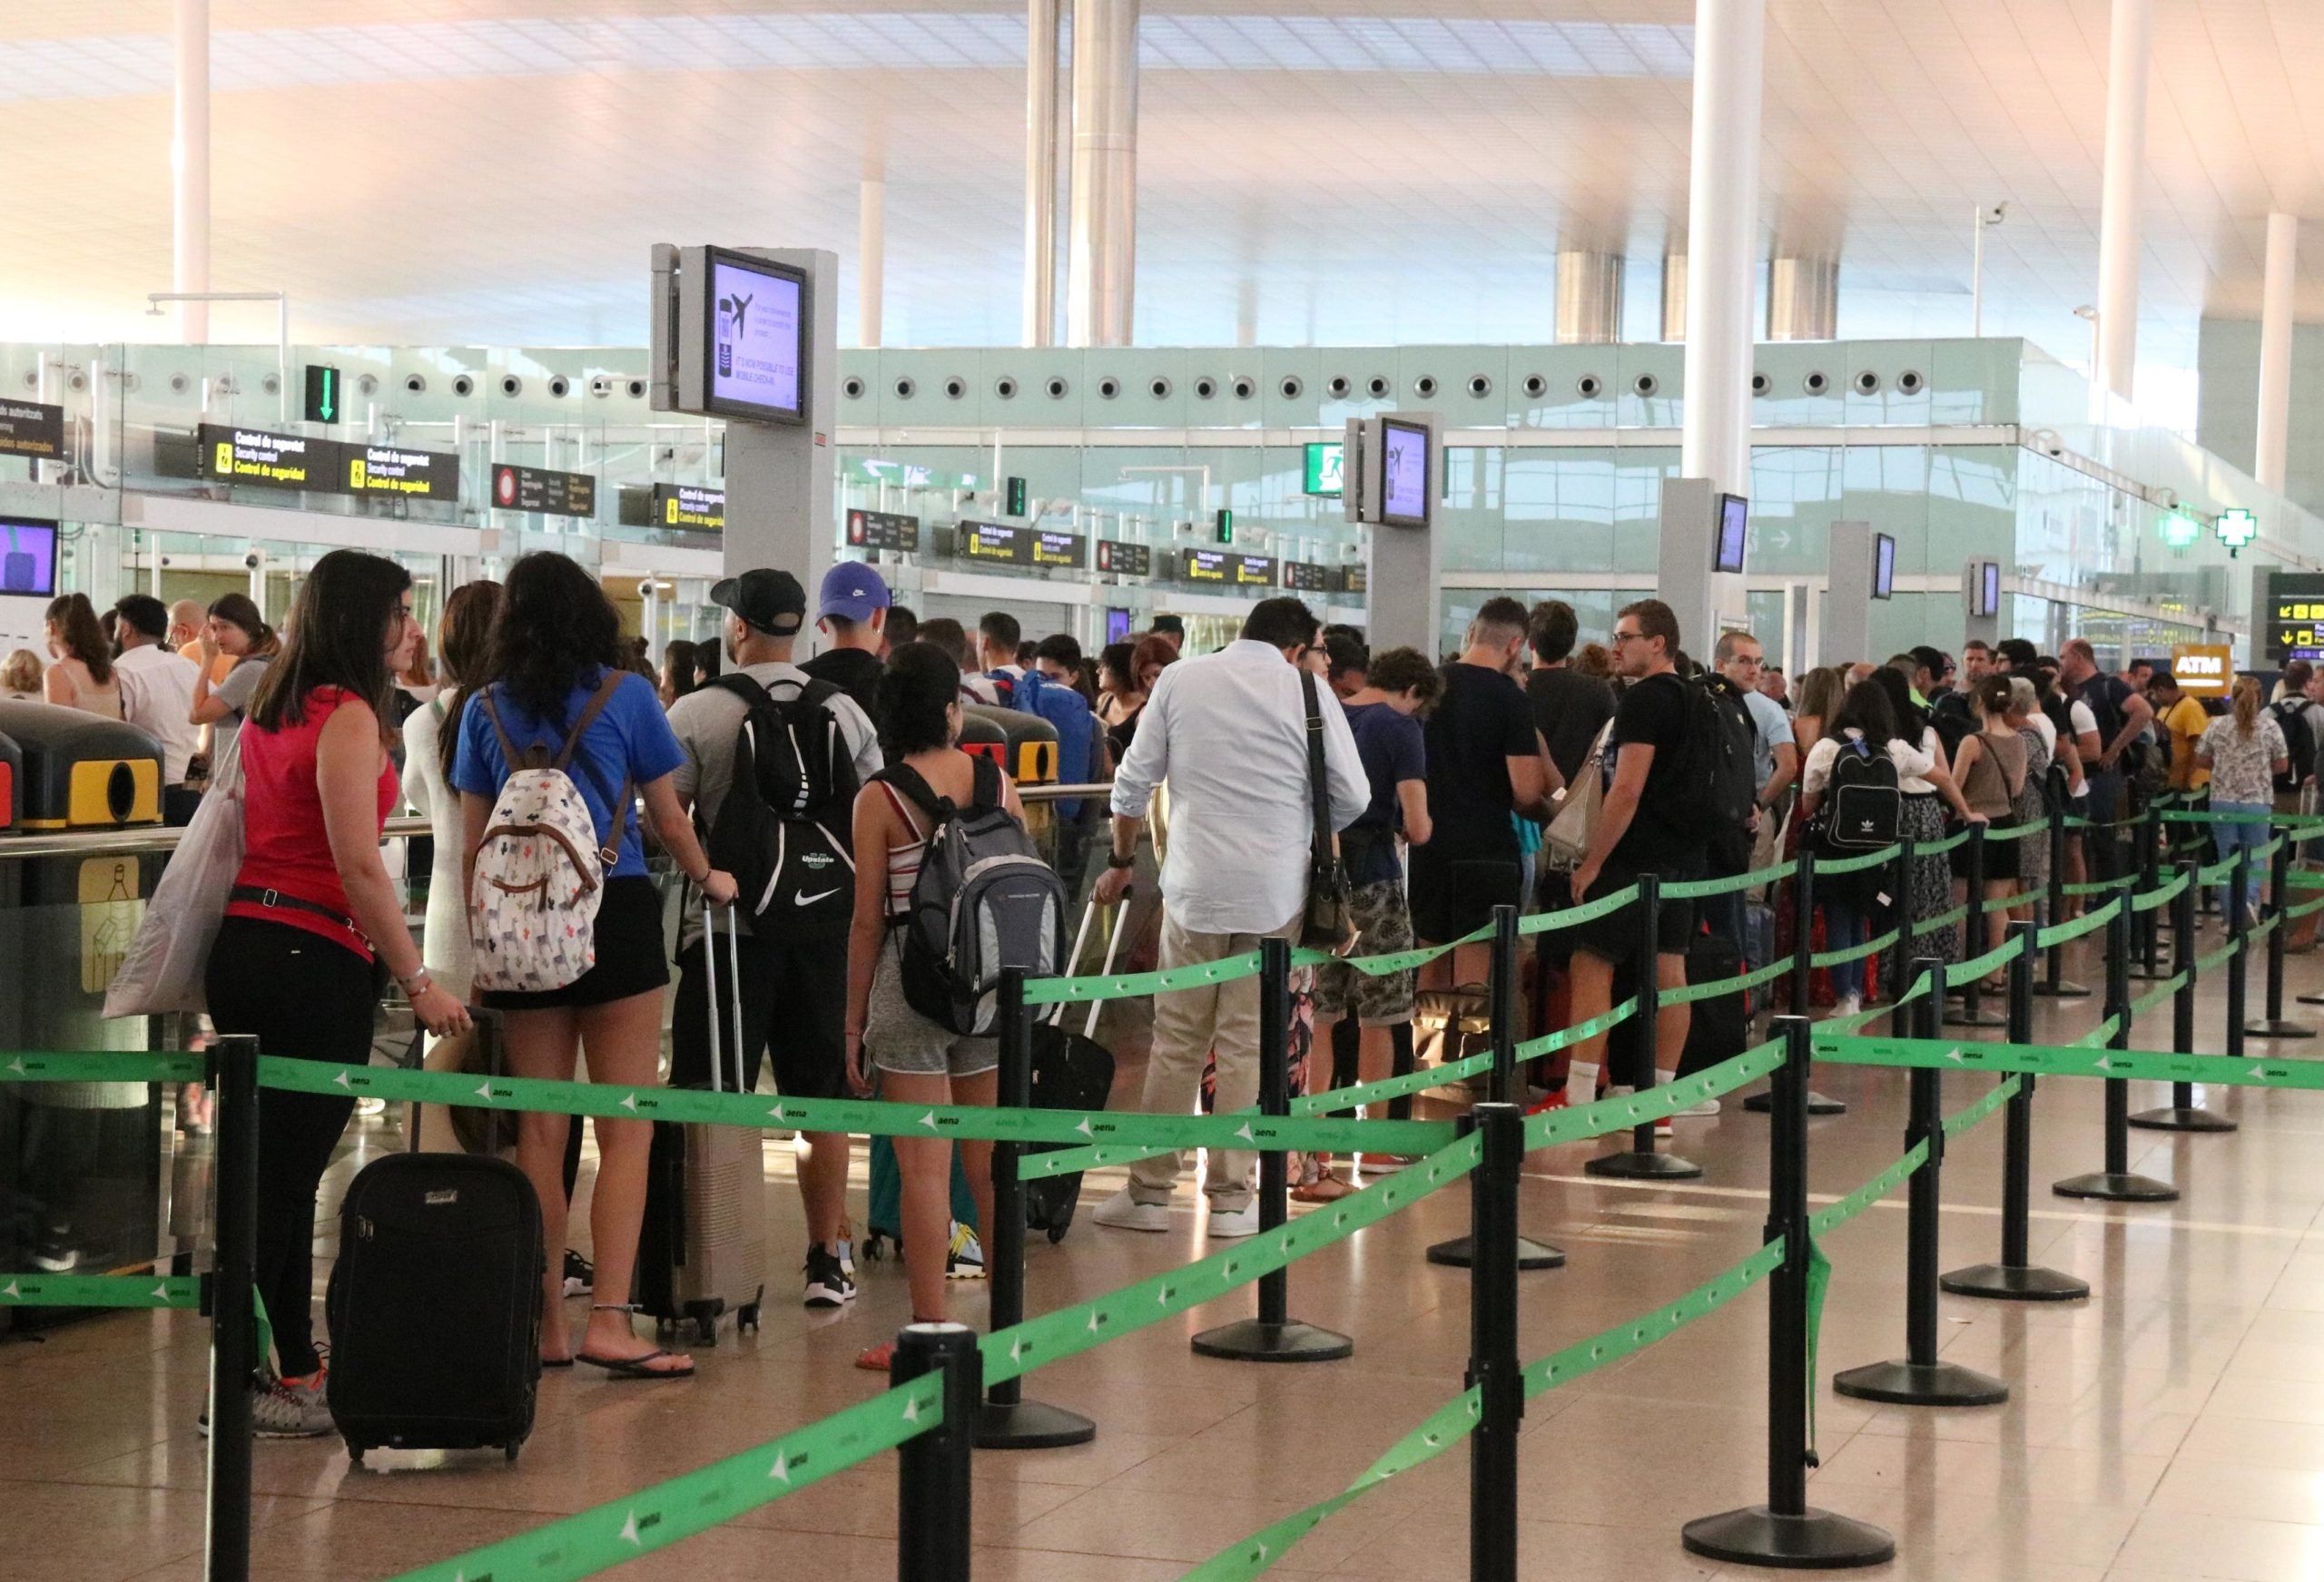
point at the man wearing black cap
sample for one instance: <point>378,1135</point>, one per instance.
<point>800,969</point>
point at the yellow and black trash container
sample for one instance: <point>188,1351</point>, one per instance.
<point>80,771</point>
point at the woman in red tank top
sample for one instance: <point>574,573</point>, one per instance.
<point>310,909</point>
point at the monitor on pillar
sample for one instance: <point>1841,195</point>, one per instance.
<point>1390,476</point>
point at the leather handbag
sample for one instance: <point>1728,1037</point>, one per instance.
<point>1567,840</point>
<point>1329,921</point>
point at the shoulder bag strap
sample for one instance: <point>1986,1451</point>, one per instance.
<point>492,712</point>
<point>611,852</point>
<point>1317,796</point>
<point>916,790</point>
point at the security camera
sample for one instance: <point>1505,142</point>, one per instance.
<point>253,560</point>
<point>2166,498</point>
<point>1993,213</point>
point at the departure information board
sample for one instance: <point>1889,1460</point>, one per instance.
<point>1301,577</point>
<point>689,505</point>
<point>1125,559</point>
<point>2295,615</point>
<point>1226,567</point>
<point>551,493</point>
<point>883,530</point>
<point>997,544</point>
<point>31,428</point>
<point>271,461</point>
<point>756,327</point>
<point>1355,579</point>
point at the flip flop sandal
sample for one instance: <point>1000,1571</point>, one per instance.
<point>638,1367</point>
<point>1329,1189</point>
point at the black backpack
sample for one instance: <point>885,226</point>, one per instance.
<point>785,826</point>
<point>984,902</point>
<point>2299,741</point>
<point>1863,806</point>
<point>1720,734</point>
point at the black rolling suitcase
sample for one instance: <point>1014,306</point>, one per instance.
<point>1070,1072</point>
<point>1720,1027</point>
<point>435,1305</point>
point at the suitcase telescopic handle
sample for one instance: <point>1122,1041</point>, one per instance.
<point>710,989</point>
<point>1113,948</point>
<point>734,976</point>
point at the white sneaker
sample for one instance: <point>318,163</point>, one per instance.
<point>1847,1005</point>
<point>1698,1111</point>
<point>1228,1223</point>
<point>1125,1212</point>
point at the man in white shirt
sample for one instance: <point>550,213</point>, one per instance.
<point>1230,732</point>
<point>157,696</point>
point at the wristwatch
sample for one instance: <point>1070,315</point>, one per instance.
<point>1116,860</point>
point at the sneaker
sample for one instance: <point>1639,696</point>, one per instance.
<point>1228,1223</point>
<point>964,1256</point>
<point>1849,1005</point>
<point>1699,1112</point>
<point>1125,1212</point>
<point>371,1106</point>
<point>281,1410</point>
<point>54,1252</point>
<point>580,1275</point>
<point>827,1284</point>
<point>876,1359</point>
<point>1553,1100</point>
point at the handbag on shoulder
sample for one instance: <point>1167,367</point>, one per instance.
<point>1567,840</point>
<point>1329,922</point>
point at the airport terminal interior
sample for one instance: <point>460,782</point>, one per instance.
<point>1669,1137</point>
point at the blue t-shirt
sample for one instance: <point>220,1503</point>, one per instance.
<point>1393,749</point>
<point>630,737</point>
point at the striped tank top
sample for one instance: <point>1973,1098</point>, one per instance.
<point>903,861</point>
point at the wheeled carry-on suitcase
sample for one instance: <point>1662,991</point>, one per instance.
<point>1721,1027</point>
<point>703,1250</point>
<point>1070,1072</point>
<point>435,1305</point>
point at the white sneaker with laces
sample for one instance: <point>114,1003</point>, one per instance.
<point>1847,1005</point>
<point>1229,1222</point>
<point>1125,1212</point>
<point>1698,1111</point>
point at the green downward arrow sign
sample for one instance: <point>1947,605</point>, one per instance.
<point>330,408</point>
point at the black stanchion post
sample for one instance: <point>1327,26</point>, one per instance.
<point>1803,967</point>
<point>1920,1379</point>
<point>1787,1531</point>
<point>2182,1114</point>
<point>932,1486</point>
<point>1008,1422</point>
<point>1495,1371</point>
<point>2013,1279</point>
<point>2149,923</point>
<point>2278,898</point>
<point>1972,1013</point>
<point>1502,1001</point>
<point>2116,1182</point>
<point>1901,953</point>
<point>233,1319</point>
<point>1274,1336</point>
<point>2054,984</point>
<point>1641,1161</point>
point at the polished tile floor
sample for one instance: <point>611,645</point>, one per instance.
<point>2171,1427</point>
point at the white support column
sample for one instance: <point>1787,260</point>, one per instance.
<point>870,260</point>
<point>1101,256</point>
<point>1589,298</point>
<point>1041,172</point>
<point>190,168</point>
<point>1674,296</point>
<point>1804,298</point>
<point>1722,242</point>
<point>2276,307</point>
<point>2130,50</point>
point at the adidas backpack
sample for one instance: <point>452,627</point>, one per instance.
<point>984,902</point>
<point>785,826</point>
<point>1863,806</point>
<point>541,870</point>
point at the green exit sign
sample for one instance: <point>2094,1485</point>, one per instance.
<point>1326,467</point>
<point>2236,529</point>
<point>324,395</point>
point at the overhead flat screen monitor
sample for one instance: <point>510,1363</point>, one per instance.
<point>1884,566</point>
<point>1988,595</point>
<point>1118,625</point>
<point>1734,520</point>
<point>1404,474</point>
<point>756,357</point>
<point>27,557</point>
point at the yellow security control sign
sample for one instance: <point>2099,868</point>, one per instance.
<point>2294,612</point>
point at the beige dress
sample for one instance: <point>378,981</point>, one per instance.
<point>87,695</point>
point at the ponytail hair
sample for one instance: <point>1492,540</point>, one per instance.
<point>2247,705</point>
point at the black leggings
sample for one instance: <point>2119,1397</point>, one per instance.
<point>306,999</point>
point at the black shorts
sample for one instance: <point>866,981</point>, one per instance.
<point>1453,892</point>
<point>1617,936</point>
<point>807,1048</point>
<point>2001,858</point>
<point>632,958</point>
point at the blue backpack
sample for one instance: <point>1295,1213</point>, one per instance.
<point>1077,736</point>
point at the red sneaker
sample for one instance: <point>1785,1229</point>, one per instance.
<point>1553,1100</point>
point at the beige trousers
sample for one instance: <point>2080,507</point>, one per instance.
<point>1189,1025</point>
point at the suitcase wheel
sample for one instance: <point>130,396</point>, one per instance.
<point>747,1318</point>
<point>354,1452</point>
<point>511,1448</point>
<point>705,1331</point>
<point>1057,1234</point>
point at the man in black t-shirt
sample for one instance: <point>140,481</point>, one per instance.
<point>2121,716</point>
<point>1643,827</point>
<point>852,615</point>
<point>1483,764</point>
<point>1568,709</point>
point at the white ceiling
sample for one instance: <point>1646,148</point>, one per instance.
<point>1359,171</point>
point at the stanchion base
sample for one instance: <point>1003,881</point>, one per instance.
<point>2005,1283</point>
<point>1921,1384</point>
<point>1637,1166</point>
<point>1817,1103</point>
<point>1983,1019</point>
<point>1029,1425</point>
<point>1531,1254</point>
<point>2309,999</point>
<point>1815,1540</point>
<point>2178,1118</point>
<point>1256,1340</point>
<point>2127,1187</point>
<point>2065,989</point>
<point>2277,1029</point>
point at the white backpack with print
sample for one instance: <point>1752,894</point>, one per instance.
<point>541,870</point>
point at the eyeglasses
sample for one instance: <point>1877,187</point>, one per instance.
<point>1621,637</point>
